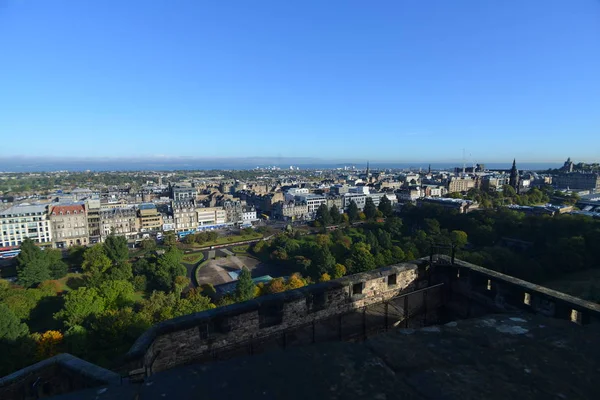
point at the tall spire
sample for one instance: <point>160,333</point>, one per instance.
<point>514,176</point>
<point>367,170</point>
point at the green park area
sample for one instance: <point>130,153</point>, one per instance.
<point>198,240</point>
<point>241,249</point>
<point>193,258</point>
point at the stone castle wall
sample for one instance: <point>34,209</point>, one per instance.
<point>279,319</point>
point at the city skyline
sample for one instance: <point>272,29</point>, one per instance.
<point>48,164</point>
<point>342,82</point>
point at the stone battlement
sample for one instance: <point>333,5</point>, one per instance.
<point>332,309</point>
<point>472,291</point>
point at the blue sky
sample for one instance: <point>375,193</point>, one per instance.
<point>399,80</point>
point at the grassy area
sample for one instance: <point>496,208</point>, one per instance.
<point>139,296</point>
<point>241,249</point>
<point>582,284</point>
<point>230,239</point>
<point>193,258</point>
<point>71,282</point>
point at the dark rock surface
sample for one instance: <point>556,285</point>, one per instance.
<point>508,356</point>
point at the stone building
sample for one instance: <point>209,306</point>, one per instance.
<point>460,185</point>
<point>70,225</point>
<point>184,215</point>
<point>290,210</point>
<point>121,221</point>
<point>335,201</point>
<point>233,210</point>
<point>578,180</point>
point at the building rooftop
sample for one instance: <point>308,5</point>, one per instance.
<point>24,208</point>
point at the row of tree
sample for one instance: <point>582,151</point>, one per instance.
<point>326,216</point>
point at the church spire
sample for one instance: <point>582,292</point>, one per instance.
<point>514,176</point>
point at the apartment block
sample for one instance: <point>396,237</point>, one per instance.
<point>24,221</point>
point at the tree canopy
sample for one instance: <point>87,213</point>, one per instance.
<point>244,289</point>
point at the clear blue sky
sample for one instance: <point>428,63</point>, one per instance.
<point>399,80</point>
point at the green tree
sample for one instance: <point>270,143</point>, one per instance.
<point>180,283</point>
<point>385,206</point>
<point>459,238</point>
<point>33,273</point>
<point>195,301</point>
<point>32,265</point>
<point>120,272</point>
<point>158,307</point>
<point>58,268</point>
<point>394,226</point>
<point>323,215</point>
<point>361,259</point>
<point>161,275</point>
<point>336,217</point>
<point>11,327</point>
<point>116,249</point>
<point>96,263</point>
<point>322,261</point>
<point>189,239</point>
<point>148,244</point>
<point>384,239</point>
<point>116,294</point>
<point>244,289</point>
<point>76,254</point>
<point>432,226</point>
<point>339,271</point>
<point>23,301</point>
<point>398,254</point>
<point>370,210</point>
<point>140,283</point>
<point>169,238</point>
<point>29,252</point>
<point>352,211</point>
<point>79,305</point>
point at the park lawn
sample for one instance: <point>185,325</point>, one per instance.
<point>230,239</point>
<point>242,249</point>
<point>71,281</point>
<point>193,258</point>
<point>139,296</point>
